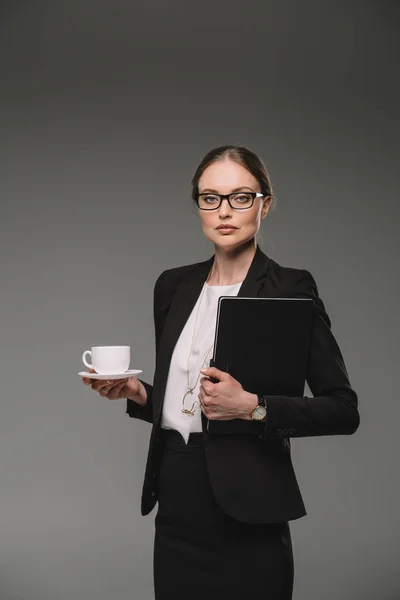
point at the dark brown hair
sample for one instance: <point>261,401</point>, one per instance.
<point>242,156</point>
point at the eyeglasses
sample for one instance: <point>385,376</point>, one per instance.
<point>237,200</point>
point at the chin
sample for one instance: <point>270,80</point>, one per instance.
<point>232,241</point>
<point>224,242</point>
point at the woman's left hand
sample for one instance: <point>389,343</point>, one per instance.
<point>226,399</point>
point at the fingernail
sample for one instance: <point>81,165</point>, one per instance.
<point>203,370</point>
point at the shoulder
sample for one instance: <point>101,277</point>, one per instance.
<point>292,280</point>
<point>300,283</point>
<point>170,279</point>
<point>176,273</point>
<point>296,283</point>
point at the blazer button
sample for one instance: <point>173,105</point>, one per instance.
<point>279,431</point>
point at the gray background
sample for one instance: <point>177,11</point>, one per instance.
<point>106,110</point>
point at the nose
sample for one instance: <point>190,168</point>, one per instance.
<point>224,207</point>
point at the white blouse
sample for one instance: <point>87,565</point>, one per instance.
<point>172,416</point>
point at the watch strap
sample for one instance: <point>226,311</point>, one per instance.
<point>262,400</point>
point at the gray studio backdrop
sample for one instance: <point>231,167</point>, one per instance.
<point>106,110</point>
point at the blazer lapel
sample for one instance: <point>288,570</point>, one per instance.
<point>255,277</point>
<point>182,305</point>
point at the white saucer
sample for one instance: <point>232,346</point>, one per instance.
<point>110,376</point>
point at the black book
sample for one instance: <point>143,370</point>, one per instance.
<point>263,343</point>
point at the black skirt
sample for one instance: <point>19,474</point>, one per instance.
<point>200,552</point>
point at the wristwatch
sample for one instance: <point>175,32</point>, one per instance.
<point>259,413</point>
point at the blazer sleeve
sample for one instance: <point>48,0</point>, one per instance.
<point>334,408</point>
<point>160,311</point>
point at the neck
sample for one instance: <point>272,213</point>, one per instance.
<point>231,264</point>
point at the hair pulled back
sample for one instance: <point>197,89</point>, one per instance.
<point>240,155</point>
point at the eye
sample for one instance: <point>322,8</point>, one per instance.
<point>242,197</point>
<point>209,198</point>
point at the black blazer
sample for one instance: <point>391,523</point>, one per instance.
<point>251,473</point>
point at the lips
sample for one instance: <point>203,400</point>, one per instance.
<point>226,227</point>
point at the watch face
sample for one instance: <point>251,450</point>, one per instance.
<point>259,412</point>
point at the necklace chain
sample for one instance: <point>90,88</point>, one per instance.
<point>190,389</point>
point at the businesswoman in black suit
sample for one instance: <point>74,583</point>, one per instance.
<point>225,500</point>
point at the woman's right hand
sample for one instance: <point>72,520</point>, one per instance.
<point>115,389</point>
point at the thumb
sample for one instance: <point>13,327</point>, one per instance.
<point>214,372</point>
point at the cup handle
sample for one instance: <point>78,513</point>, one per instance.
<point>84,359</point>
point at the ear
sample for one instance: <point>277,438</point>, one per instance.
<point>266,206</point>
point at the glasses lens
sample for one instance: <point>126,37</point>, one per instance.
<point>241,200</point>
<point>238,200</point>
<point>208,201</point>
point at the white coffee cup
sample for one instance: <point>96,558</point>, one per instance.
<point>108,360</point>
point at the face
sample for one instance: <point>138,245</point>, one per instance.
<point>224,177</point>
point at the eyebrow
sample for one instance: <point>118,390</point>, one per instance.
<point>243,187</point>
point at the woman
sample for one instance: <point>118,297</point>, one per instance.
<point>225,501</point>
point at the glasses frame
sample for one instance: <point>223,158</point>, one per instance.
<point>254,195</point>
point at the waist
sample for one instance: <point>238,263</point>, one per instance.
<point>173,439</point>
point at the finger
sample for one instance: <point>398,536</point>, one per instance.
<point>106,387</point>
<point>102,386</point>
<point>89,380</point>
<point>205,389</point>
<point>113,389</point>
<point>214,372</point>
<point>116,391</point>
<point>207,381</point>
<point>99,384</point>
<point>204,409</point>
<point>204,400</point>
